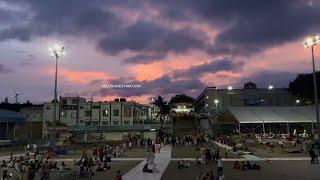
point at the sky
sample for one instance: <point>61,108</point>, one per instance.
<point>161,47</point>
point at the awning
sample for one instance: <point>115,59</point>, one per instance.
<point>273,114</point>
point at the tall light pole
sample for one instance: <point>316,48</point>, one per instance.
<point>216,101</point>
<point>310,42</point>
<point>55,51</point>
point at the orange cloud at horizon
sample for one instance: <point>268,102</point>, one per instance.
<point>79,77</point>
<point>220,79</point>
<point>147,71</point>
<point>173,62</point>
<point>140,99</point>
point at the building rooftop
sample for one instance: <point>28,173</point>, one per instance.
<point>11,116</point>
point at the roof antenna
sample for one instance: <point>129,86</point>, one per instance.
<point>16,95</point>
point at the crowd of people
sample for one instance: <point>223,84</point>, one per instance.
<point>27,166</point>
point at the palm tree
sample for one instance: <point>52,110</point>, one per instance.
<point>163,106</point>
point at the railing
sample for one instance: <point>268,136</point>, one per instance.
<point>116,127</point>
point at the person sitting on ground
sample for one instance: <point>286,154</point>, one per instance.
<point>106,165</point>
<point>256,167</point>
<point>146,169</point>
<point>211,175</point>
<point>100,167</point>
<point>236,165</point>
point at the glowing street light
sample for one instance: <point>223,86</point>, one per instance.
<point>310,42</point>
<point>229,88</point>
<point>216,101</point>
<point>56,51</point>
<point>270,87</point>
<point>297,101</point>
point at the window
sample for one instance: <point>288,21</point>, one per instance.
<point>115,122</point>
<point>64,101</point>
<point>88,123</point>
<point>115,112</point>
<point>126,122</point>
<point>95,123</point>
<point>48,108</point>
<point>81,107</point>
<point>81,121</point>
<point>95,107</point>
<point>73,115</point>
<point>74,101</point>
<point>104,123</point>
<point>34,116</point>
<point>105,113</point>
<point>88,113</point>
<point>27,115</point>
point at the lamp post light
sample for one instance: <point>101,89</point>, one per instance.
<point>55,51</point>
<point>270,87</point>
<point>310,42</point>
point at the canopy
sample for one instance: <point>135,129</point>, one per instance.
<point>273,114</point>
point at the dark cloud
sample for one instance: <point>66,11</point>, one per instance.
<point>211,67</point>
<point>72,17</point>
<point>144,58</point>
<point>148,37</point>
<point>164,85</point>
<point>264,78</point>
<point>4,69</point>
<point>182,81</point>
<point>249,26</point>
<point>20,33</point>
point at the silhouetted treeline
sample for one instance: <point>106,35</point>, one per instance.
<point>302,87</point>
<point>15,107</point>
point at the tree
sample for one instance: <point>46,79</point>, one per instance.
<point>302,86</point>
<point>182,98</point>
<point>250,85</point>
<point>6,101</point>
<point>163,106</point>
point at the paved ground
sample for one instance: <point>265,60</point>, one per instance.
<point>276,170</point>
<point>111,174</point>
<point>161,160</point>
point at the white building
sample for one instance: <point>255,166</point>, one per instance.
<point>109,118</point>
<point>77,111</point>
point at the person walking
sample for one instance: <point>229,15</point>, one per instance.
<point>312,155</point>
<point>220,166</point>
<point>316,153</point>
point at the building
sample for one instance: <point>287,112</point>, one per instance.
<point>213,98</point>
<point>182,108</point>
<point>34,121</point>
<point>10,123</point>
<point>213,105</point>
<point>108,118</point>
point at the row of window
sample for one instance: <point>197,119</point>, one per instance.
<point>34,115</point>
<point>96,123</point>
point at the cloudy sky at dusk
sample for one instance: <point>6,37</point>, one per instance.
<point>166,46</point>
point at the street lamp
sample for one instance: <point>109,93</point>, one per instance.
<point>216,101</point>
<point>229,88</point>
<point>56,51</point>
<point>310,42</point>
<point>270,87</point>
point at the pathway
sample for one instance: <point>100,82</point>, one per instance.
<point>162,160</point>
